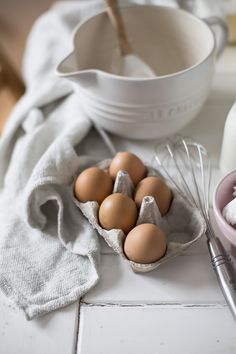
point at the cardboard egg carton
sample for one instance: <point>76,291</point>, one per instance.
<point>183,225</point>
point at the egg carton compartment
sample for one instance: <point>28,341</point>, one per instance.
<point>183,225</point>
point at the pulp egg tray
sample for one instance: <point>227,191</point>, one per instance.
<point>183,224</point>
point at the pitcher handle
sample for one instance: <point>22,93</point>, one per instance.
<point>221,36</point>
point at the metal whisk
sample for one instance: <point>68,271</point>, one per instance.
<point>186,165</point>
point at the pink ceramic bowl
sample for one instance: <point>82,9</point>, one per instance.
<point>223,195</point>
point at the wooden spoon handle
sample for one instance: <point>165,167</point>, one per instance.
<point>117,22</point>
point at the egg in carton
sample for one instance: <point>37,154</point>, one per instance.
<point>183,224</point>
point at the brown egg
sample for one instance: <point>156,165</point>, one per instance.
<point>130,163</point>
<point>155,187</point>
<point>118,211</point>
<point>93,184</point>
<point>146,243</point>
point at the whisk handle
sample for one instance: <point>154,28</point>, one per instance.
<point>224,269</point>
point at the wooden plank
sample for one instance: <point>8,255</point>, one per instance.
<point>188,278</point>
<point>55,333</point>
<point>156,329</point>
<point>185,279</point>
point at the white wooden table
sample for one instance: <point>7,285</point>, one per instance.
<point>176,309</point>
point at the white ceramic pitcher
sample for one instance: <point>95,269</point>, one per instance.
<point>180,47</point>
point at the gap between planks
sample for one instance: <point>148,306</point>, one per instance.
<point>76,331</point>
<point>154,305</point>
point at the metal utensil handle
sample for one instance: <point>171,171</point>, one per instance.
<point>113,12</point>
<point>223,267</point>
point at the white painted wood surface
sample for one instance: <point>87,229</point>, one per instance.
<point>177,308</point>
<point>156,330</point>
<point>50,334</point>
<point>186,279</point>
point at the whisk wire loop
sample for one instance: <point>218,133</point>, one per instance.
<point>186,165</point>
<point>202,192</point>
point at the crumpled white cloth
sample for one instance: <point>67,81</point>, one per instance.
<point>49,254</point>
